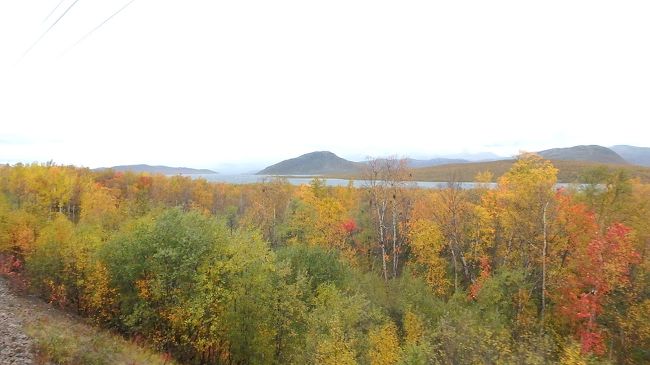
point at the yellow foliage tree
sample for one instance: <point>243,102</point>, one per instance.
<point>384,345</point>
<point>99,207</point>
<point>571,355</point>
<point>319,218</point>
<point>426,243</point>
<point>335,350</point>
<point>413,328</point>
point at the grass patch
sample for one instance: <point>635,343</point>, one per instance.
<point>63,341</point>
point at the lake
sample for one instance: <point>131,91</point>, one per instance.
<point>302,180</point>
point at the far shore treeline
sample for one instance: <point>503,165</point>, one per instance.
<point>522,272</point>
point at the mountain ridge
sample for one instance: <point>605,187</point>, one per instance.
<point>158,169</point>
<point>588,153</point>
<point>328,163</point>
<point>312,163</point>
<point>633,154</point>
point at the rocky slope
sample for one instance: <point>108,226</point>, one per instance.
<point>15,346</point>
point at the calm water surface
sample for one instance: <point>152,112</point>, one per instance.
<point>251,179</point>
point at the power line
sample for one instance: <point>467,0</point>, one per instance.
<point>50,28</point>
<point>53,10</point>
<point>99,26</point>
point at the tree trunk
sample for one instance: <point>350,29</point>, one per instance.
<point>380,217</point>
<point>383,261</point>
<point>453,255</point>
<point>395,249</point>
<point>544,248</point>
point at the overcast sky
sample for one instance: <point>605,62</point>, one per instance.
<point>203,83</point>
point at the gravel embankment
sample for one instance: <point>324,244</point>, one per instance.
<point>15,346</point>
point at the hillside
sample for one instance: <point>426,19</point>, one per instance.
<point>314,163</point>
<point>591,153</point>
<point>634,155</point>
<point>569,171</point>
<point>165,170</point>
<point>34,332</point>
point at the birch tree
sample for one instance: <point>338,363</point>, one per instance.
<point>385,181</point>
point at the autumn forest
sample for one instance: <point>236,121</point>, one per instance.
<point>526,272</point>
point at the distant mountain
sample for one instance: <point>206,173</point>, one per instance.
<point>434,162</point>
<point>165,170</point>
<point>592,153</point>
<point>634,155</point>
<point>478,156</point>
<point>314,163</point>
<point>416,164</point>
